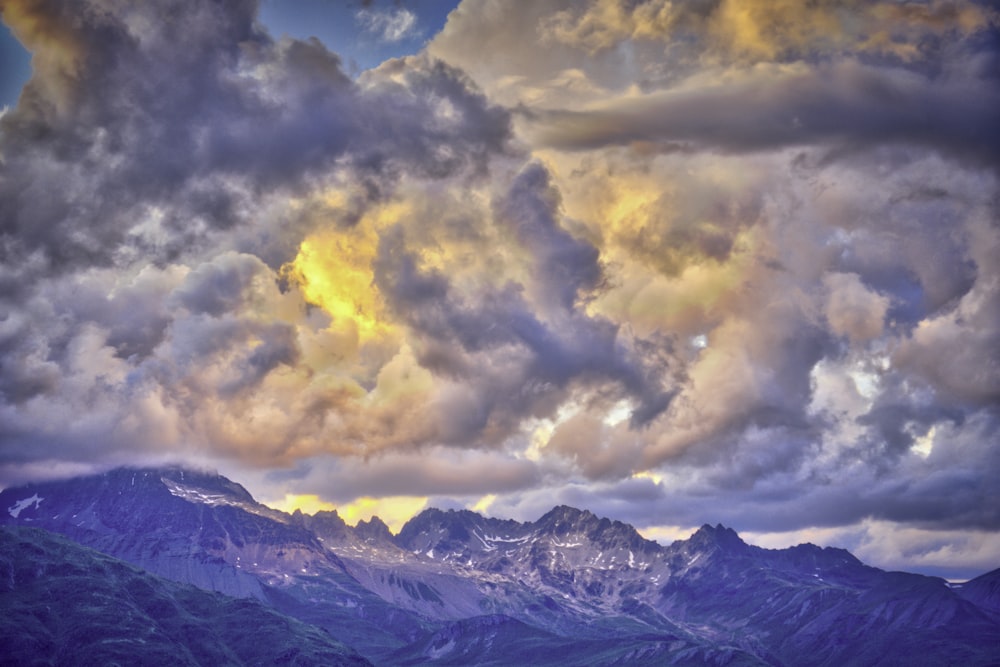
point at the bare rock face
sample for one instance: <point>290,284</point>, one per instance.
<point>454,587</point>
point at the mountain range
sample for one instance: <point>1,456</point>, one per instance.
<point>452,587</point>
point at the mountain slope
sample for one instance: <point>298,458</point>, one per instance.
<point>498,641</point>
<point>984,591</point>
<point>569,579</point>
<point>64,604</point>
<point>203,529</point>
<point>803,605</point>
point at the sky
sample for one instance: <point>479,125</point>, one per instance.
<point>676,263</point>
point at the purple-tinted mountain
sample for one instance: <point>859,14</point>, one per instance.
<point>983,591</point>
<point>64,604</point>
<point>454,587</point>
<point>203,529</point>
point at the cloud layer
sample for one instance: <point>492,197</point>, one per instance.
<point>674,262</point>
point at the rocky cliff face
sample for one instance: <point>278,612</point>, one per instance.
<point>456,586</point>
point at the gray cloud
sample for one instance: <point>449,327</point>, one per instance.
<point>548,342</point>
<point>950,490</point>
<point>144,142</point>
<point>697,278</point>
<point>440,471</point>
<point>848,105</point>
<point>567,267</point>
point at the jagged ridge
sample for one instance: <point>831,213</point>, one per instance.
<point>570,575</point>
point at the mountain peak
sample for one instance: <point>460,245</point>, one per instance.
<point>566,511</point>
<point>374,530</point>
<point>453,527</point>
<point>593,583</point>
<point>449,517</point>
<point>326,524</point>
<point>719,536</point>
<point>562,518</point>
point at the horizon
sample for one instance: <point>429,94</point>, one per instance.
<point>673,263</point>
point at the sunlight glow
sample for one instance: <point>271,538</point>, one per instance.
<point>666,535</point>
<point>482,505</point>
<point>657,478</point>
<point>619,412</point>
<point>393,510</point>
<point>308,503</point>
<point>333,268</point>
<point>334,273</point>
<point>923,446</point>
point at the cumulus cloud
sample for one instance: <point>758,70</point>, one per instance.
<point>789,194</point>
<point>150,174</point>
<point>674,262</point>
<point>852,310</point>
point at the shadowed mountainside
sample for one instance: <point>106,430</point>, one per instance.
<point>454,587</point>
<point>64,604</point>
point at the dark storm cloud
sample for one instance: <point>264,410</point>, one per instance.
<point>749,275</point>
<point>218,287</point>
<point>97,135</point>
<point>277,346</point>
<point>895,425</point>
<point>430,118</point>
<point>547,345</point>
<point>150,188</point>
<point>439,470</point>
<point>567,267</point>
<point>952,489</point>
<point>913,253</point>
<point>845,104</point>
<point>143,135</point>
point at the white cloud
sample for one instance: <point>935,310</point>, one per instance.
<point>390,26</point>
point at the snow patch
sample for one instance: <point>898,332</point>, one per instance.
<point>557,543</point>
<point>437,652</point>
<point>497,538</point>
<point>486,545</point>
<point>195,495</point>
<point>22,505</point>
<point>206,497</point>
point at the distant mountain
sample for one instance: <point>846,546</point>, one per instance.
<point>203,529</point>
<point>454,587</point>
<point>64,604</point>
<point>983,591</point>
